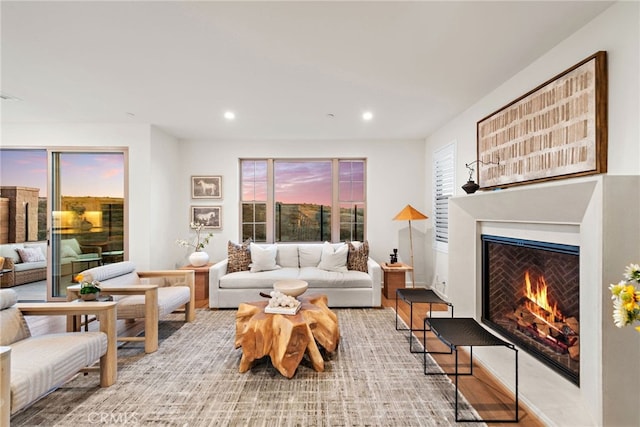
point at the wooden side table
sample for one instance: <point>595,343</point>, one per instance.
<point>201,282</point>
<point>394,277</point>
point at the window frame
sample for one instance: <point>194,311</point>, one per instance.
<point>444,177</point>
<point>271,202</point>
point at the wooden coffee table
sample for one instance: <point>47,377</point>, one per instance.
<point>286,338</point>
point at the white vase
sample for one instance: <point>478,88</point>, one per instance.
<point>198,258</point>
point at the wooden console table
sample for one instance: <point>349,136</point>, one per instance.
<point>201,283</point>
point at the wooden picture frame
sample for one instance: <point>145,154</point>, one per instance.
<point>208,216</point>
<point>206,187</point>
<point>557,130</point>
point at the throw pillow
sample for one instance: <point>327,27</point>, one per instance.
<point>358,256</point>
<point>67,252</point>
<point>334,259</point>
<point>31,254</point>
<point>263,258</point>
<point>238,256</point>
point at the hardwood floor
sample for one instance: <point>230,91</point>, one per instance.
<point>487,396</point>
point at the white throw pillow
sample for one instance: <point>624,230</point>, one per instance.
<point>263,258</point>
<point>334,259</point>
<point>67,252</point>
<point>31,254</point>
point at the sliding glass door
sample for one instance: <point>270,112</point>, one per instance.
<point>68,206</point>
<point>87,213</point>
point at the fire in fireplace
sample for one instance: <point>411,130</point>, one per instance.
<point>531,294</point>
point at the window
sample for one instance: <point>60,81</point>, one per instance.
<point>286,200</point>
<point>443,177</point>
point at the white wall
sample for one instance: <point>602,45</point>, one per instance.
<point>395,178</point>
<point>605,399</point>
<point>617,31</point>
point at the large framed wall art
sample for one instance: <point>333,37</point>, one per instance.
<point>557,130</point>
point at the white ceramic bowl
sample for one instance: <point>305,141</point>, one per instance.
<point>291,287</point>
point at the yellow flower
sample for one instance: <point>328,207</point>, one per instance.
<point>629,298</point>
<point>79,278</point>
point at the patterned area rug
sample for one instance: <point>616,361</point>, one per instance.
<point>193,380</point>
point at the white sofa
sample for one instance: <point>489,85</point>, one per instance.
<point>300,261</point>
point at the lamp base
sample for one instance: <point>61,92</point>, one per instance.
<point>470,187</point>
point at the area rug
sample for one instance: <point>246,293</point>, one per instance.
<point>193,380</point>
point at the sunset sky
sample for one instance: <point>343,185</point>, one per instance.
<point>83,174</point>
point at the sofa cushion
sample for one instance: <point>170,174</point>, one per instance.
<point>169,298</point>
<point>310,254</point>
<point>263,258</point>
<point>35,372</point>
<point>334,258</point>
<point>111,271</point>
<point>263,279</point>
<point>68,252</point>
<point>287,255</point>
<point>9,251</point>
<point>26,266</point>
<point>72,244</point>
<point>238,256</point>
<point>318,278</point>
<point>14,326</point>
<point>358,256</point>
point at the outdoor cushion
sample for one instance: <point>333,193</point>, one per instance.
<point>40,364</point>
<point>169,298</point>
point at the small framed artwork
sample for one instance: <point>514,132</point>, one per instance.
<point>208,216</point>
<point>206,187</point>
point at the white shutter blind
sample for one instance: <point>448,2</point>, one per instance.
<point>443,183</point>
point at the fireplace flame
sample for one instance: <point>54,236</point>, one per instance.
<point>541,306</point>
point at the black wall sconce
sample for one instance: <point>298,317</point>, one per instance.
<point>471,186</point>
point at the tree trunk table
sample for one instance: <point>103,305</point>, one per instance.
<point>286,338</point>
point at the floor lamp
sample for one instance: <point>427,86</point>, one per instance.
<point>409,213</point>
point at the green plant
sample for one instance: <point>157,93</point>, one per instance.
<point>87,287</point>
<point>197,244</point>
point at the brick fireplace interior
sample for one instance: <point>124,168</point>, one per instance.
<point>531,294</point>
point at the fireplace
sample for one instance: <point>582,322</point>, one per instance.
<point>531,295</point>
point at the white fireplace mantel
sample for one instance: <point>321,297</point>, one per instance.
<point>601,214</point>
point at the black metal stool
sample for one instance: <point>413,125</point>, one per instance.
<point>417,296</point>
<point>461,332</point>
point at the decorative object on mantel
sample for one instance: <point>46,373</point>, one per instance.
<point>198,258</point>
<point>557,130</point>
<point>89,291</point>
<point>471,186</point>
<point>407,214</point>
<point>626,298</point>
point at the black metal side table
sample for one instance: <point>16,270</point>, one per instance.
<point>417,296</point>
<point>466,332</point>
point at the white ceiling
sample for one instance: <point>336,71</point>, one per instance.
<point>281,66</point>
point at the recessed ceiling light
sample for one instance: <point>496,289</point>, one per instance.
<point>229,115</point>
<point>367,115</point>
